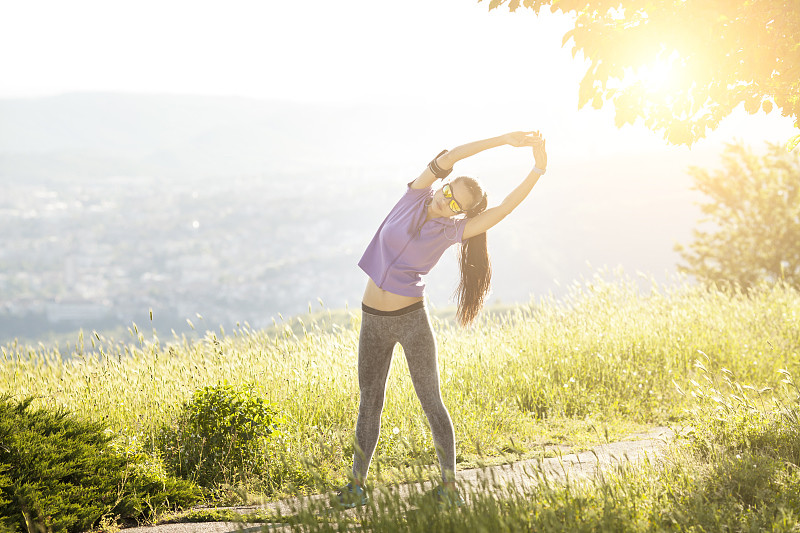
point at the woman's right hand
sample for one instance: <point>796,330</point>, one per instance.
<point>539,153</point>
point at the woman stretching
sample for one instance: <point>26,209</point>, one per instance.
<point>408,243</point>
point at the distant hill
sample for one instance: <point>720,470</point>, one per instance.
<point>96,134</point>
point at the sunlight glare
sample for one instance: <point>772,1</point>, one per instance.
<point>656,77</point>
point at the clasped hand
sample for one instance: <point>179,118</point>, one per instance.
<point>530,138</point>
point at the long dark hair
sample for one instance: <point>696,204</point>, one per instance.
<point>476,269</point>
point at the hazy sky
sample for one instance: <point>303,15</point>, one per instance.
<point>320,50</point>
<point>408,51</point>
<point>508,71</point>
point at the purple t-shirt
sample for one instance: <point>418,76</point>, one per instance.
<point>405,247</point>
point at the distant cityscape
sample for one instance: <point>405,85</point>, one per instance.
<point>101,254</point>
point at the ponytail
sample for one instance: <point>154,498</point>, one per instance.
<point>476,268</point>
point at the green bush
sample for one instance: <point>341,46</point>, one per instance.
<point>61,473</point>
<point>220,436</point>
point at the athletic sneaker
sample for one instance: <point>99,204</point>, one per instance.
<point>351,495</point>
<point>447,497</point>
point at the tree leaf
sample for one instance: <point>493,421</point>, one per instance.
<point>567,37</point>
<point>752,104</point>
<point>586,89</point>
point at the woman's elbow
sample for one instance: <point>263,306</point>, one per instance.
<point>446,161</point>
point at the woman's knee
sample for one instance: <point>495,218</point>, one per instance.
<point>372,398</point>
<point>435,410</point>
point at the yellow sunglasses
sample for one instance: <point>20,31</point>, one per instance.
<point>455,207</point>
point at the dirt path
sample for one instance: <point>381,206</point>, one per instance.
<point>581,465</point>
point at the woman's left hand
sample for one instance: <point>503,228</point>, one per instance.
<point>521,138</point>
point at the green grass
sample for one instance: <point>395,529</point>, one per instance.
<point>601,363</point>
<point>736,469</point>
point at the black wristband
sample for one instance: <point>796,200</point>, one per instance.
<point>438,171</point>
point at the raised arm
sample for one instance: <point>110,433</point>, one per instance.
<point>481,223</point>
<point>450,158</point>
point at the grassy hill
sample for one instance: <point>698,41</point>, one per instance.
<point>605,359</point>
<point>608,359</point>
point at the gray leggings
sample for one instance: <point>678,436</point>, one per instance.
<point>379,333</point>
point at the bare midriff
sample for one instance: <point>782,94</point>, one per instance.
<point>382,300</point>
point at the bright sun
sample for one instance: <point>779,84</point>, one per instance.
<point>658,76</point>
<point>655,76</point>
